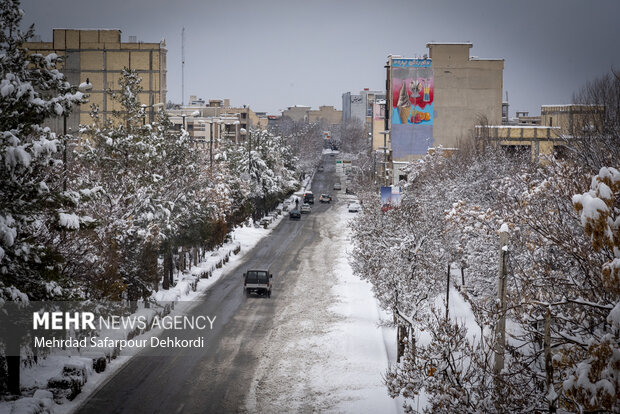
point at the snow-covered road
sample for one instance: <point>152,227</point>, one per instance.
<point>326,352</point>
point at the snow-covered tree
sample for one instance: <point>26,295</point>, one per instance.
<point>33,207</point>
<point>592,364</point>
<point>157,192</point>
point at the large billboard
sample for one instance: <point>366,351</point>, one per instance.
<point>412,93</point>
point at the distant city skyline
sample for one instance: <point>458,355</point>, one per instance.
<point>277,54</point>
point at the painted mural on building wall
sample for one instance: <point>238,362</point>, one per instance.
<point>412,107</point>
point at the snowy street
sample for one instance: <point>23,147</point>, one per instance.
<point>315,345</point>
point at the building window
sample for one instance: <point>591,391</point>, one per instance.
<point>243,115</point>
<point>550,121</point>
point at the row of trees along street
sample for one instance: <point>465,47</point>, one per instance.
<point>110,214</point>
<point>550,340</point>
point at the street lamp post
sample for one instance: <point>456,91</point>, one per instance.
<point>243,132</point>
<point>210,144</point>
<point>151,114</point>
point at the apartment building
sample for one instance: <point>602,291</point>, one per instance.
<point>99,56</point>
<point>216,119</point>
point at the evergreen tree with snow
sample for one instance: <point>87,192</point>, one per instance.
<point>33,206</point>
<point>34,209</point>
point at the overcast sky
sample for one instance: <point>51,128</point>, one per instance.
<point>278,53</point>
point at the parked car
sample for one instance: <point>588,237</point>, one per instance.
<point>337,186</point>
<point>257,281</point>
<point>285,207</point>
<point>305,208</point>
<point>294,214</point>
<point>266,221</point>
<point>325,198</point>
<point>354,207</point>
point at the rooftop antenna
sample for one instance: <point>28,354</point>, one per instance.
<point>182,66</point>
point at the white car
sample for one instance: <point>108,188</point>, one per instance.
<point>354,207</point>
<point>305,208</point>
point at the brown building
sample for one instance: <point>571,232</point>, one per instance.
<point>100,56</point>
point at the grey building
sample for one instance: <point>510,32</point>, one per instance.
<point>359,106</point>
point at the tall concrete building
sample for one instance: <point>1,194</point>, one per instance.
<point>100,56</point>
<point>438,99</point>
<point>360,105</point>
<point>465,89</point>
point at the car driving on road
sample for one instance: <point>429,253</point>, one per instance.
<point>325,198</point>
<point>308,197</point>
<point>305,208</point>
<point>337,186</point>
<point>257,281</point>
<point>294,214</point>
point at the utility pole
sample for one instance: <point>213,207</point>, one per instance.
<point>548,360</point>
<point>448,293</point>
<point>250,154</point>
<point>182,66</point>
<point>500,333</point>
<point>211,145</point>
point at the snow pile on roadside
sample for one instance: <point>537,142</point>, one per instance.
<point>361,356</point>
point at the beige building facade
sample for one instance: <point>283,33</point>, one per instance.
<point>538,141</point>
<point>548,134</point>
<point>465,89</point>
<point>574,119</point>
<point>327,114</point>
<point>298,113</point>
<point>100,56</point>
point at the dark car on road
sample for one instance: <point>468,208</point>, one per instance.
<point>257,281</point>
<point>309,197</point>
<point>294,214</point>
<point>325,198</point>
